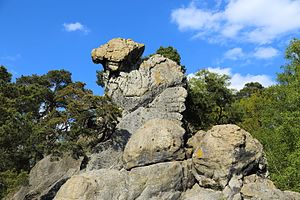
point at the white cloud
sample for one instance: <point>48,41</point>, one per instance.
<point>218,70</point>
<point>231,31</point>
<point>77,26</point>
<point>234,54</point>
<point>238,81</point>
<point>191,18</point>
<point>265,52</point>
<point>256,21</point>
<point>191,75</point>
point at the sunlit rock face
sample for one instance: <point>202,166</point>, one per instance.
<point>118,54</point>
<point>152,155</point>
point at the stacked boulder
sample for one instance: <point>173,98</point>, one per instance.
<point>151,163</point>
<point>157,160</point>
<point>151,155</point>
<point>47,176</point>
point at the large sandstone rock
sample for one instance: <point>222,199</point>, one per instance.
<point>160,181</point>
<point>223,152</point>
<point>252,187</point>
<point>128,82</point>
<point>108,154</point>
<point>148,156</point>
<point>98,184</point>
<point>229,163</point>
<point>158,140</point>
<point>118,54</point>
<point>199,193</point>
<point>255,187</point>
<point>167,105</point>
<point>47,176</point>
<point>139,87</point>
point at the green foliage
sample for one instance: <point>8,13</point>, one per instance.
<point>51,114</point>
<point>58,79</point>
<point>249,89</point>
<point>100,78</point>
<point>4,75</point>
<point>171,53</point>
<point>89,118</point>
<point>10,181</point>
<point>48,114</point>
<point>269,114</point>
<point>272,116</point>
<point>209,101</point>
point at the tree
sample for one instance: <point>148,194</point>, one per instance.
<point>209,99</point>
<point>272,116</point>
<point>100,78</point>
<point>284,122</point>
<point>48,114</point>
<point>87,116</point>
<point>249,89</point>
<point>171,53</point>
<point>291,73</point>
<point>5,77</point>
<point>58,79</point>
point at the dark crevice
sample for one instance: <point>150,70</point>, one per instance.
<point>158,162</point>
<point>84,162</point>
<point>52,192</point>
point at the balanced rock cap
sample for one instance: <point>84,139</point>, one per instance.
<point>118,54</point>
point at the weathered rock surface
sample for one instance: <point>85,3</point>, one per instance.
<point>118,54</point>
<point>158,140</point>
<point>198,193</point>
<point>167,105</point>
<point>223,152</point>
<point>159,181</point>
<point>139,87</point>
<point>255,187</point>
<point>109,154</point>
<point>148,90</point>
<point>149,156</point>
<point>47,176</point>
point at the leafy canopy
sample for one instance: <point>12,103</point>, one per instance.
<point>209,99</point>
<point>272,115</point>
<point>48,114</point>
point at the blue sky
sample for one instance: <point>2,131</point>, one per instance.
<point>245,39</point>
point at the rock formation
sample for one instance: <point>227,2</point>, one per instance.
<point>47,176</point>
<point>150,155</point>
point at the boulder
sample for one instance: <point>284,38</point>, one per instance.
<point>108,154</point>
<point>233,188</point>
<point>199,193</point>
<point>149,156</point>
<point>223,152</point>
<point>118,54</point>
<point>139,87</point>
<point>159,181</point>
<point>158,140</point>
<point>167,105</point>
<point>255,187</point>
<point>47,176</point>
<point>97,184</point>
